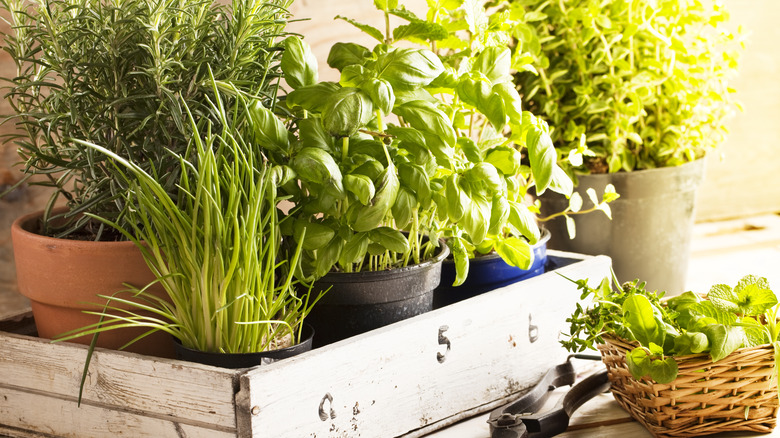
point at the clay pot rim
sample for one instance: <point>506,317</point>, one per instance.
<point>23,224</point>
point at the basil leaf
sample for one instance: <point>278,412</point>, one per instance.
<point>317,166</point>
<point>457,200</point>
<point>724,340</point>
<point>505,158</point>
<point>298,63</point>
<point>371,216</point>
<point>513,106</point>
<point>344,54</point>
<point>361,186</point>
<point>638,363</point>
<point>316,234</point>
<point>405,204</point>
<point>461,258</point>
<point>390,239</point>
<point>439,148</point>
<point>476,219</point>
<point>372,148</point>
<point>312,98</point>
<point>470,149</point>
<point>516,252</point>
<point>499,215</point>
<point>408,69</point>
<point>312,134</point>
<point>353,76</point>
<point>562,183</point>
<point>642,321</point>
<point>542,156</point>
<point>486,174</point>
<point>269,132</point>
<point>381,93</point>
<point>474,91</point>
<point>524,221</point>
<point>494,63</point>
<point>346,111</point>
<point>427,118</point>
<point>691,343</point>
<point>371,168</point>
<point>355,249</point>
<point>414,177</point>
<point>328,256</point>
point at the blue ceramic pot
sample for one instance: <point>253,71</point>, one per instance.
<point>486,273</point>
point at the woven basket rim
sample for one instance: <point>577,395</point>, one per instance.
<point>618,340</point>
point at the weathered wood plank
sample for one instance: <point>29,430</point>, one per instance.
<point>402,378</point>
<point>29,414</point>
<point>191,393</point>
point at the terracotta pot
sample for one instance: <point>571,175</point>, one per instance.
<point>62,277</point>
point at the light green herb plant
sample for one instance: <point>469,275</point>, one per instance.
<point>628,84</point>
<point>718,324</point>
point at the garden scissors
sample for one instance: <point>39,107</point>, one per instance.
<point>521,419</point>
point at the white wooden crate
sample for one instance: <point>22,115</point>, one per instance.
<point>406,379</point>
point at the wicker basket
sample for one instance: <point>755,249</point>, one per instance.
<point>737,393</point>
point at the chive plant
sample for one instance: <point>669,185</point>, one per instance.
<point>119,73</point>
<point>216,249</point>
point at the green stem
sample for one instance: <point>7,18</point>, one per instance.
<point>388,39</point>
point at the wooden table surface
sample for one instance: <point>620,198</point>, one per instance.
<point>600,417</point>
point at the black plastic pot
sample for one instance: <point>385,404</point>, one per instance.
<point>245,360</point>
<point>650,232</point>
<point>363,301</point>
<point>486,273</point>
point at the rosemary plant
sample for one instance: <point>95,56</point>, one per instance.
<point>217,250</point>
<point>119,73</point>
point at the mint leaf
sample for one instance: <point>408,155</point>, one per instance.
<point>751,296</point>
<point>420,31</point>
<point>710,310</point>
<point>369,30</point>
<point>754,295</point>
<point>723,297</point>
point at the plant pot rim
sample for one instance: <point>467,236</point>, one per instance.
<point>260,357</point>
<point>23,226</point>
<point>693,165</point>
<point>544,237</point>
<point>369,276</point>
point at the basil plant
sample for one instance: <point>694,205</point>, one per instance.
<point>412,144</point>
<point>628,84</point>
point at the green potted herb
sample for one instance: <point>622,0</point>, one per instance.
<point>414,143</point>
<point>709,361</point>
<point>116,74</point>
<point>215,247</point>
<point>637,93</point>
